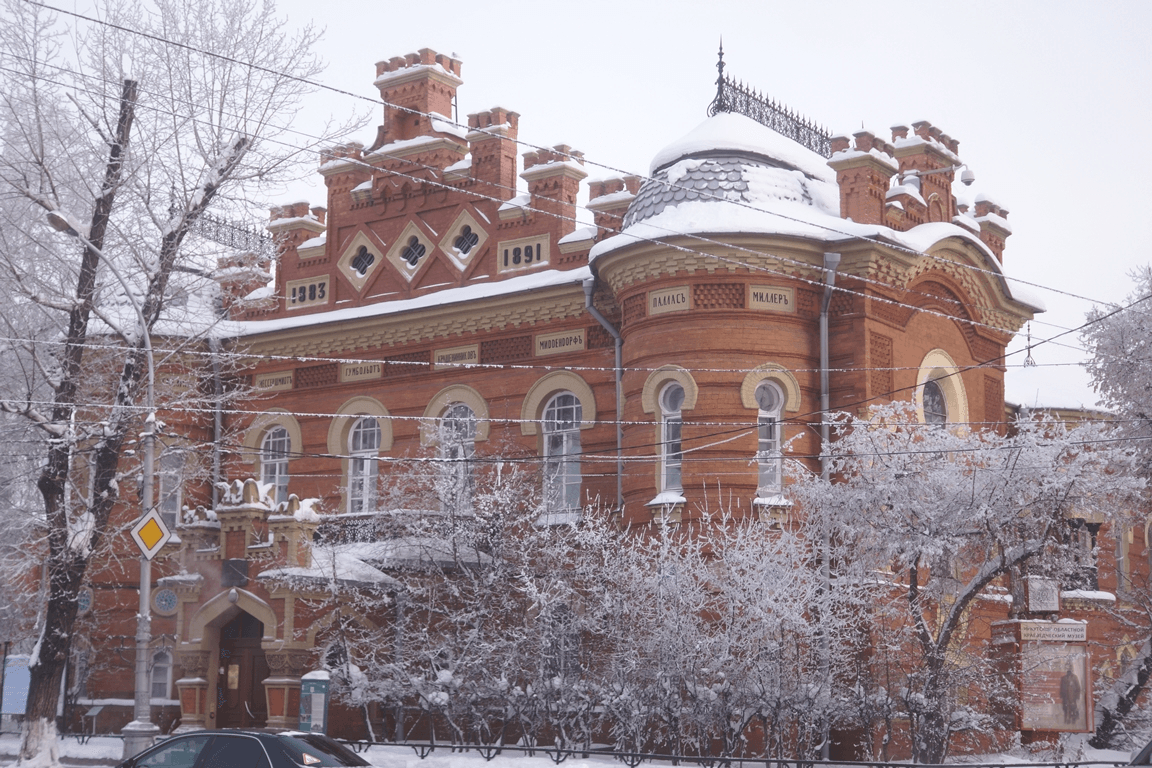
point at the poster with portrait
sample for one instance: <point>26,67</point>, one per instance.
<point>1055,687</point>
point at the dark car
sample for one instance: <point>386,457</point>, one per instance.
<point>246,749</point>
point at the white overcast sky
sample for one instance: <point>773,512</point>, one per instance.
<point>1050,102</point>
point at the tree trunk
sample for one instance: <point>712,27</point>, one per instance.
<point>66,566</point>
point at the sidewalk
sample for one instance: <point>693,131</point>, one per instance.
<point>100,751</point>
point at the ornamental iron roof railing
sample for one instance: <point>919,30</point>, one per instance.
<point>737,97</point>
<point>231,234</point>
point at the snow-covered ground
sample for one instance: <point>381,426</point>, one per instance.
<point>103,751</point>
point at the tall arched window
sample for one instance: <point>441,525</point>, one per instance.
<point>561,427</point>
<point>935,405</point>
<point>274,461</point>
<point>363,451</point>
<point>457,439</point>
<point>161,675</point>
<point>671,449</point>
<point>769,458</point>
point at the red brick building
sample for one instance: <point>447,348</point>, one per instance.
<point>659,357</point>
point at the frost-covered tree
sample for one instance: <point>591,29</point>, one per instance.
<point>113,147</point>
<point>1119,342</point>
<point>934,518</point>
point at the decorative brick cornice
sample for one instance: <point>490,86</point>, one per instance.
<point>530,308</point>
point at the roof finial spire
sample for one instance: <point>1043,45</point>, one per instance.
<point>719,104</point>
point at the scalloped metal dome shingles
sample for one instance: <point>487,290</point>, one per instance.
<point>728,176</point>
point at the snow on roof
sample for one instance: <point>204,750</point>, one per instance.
<point>447,125</point>
<point>409,70</point>
<point>477,291</point>
<point>578,235</point>
<point>517,202</point>
<point>330,563</point>
<point>737,133</point>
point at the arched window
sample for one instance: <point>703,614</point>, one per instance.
<point>274,461</point>
<point>363,450</point>
<point>935,406</point>
<point>168,480</point>
<point>671,449</point>
<point>769,457</point>
<point>161,675</point>
<point>561,427</point>
<point>457,443</point>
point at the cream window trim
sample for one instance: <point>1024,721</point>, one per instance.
<point>779,375</point>
<point>254,437</point>
<point>541,392</point>
<point>939,366</point>
<point>654,385</point>
<point>457,393</point>
<point>348,414</point>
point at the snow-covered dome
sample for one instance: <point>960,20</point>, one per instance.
<point>731,157</point>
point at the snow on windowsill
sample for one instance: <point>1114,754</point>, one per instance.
<point>667,499</point>
<point>772,500</point>
<point>1087,594</point>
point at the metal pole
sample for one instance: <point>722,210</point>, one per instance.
<point>141,732</point>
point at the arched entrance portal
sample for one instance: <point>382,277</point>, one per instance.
<point>242,669</point>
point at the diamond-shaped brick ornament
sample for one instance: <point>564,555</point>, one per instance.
<point>150,534</point>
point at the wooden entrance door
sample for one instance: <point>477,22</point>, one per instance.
<point>239,689</point>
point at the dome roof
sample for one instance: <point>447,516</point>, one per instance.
<point>731,158</point>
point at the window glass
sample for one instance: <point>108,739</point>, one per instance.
<point>769,458</point>
<point>161,669</point>
<point>175,753</point>
<point>671,448</point>
<point>274,461</point>
<point>935,407</point>
<point>321,751</point>
<point>562,417</point>
<point>171,470</point>
<point>457,439</point>
<point>235,751</point>
<point>363,449</point>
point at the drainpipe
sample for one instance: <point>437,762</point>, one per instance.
<point>589,289</point>
<point>217,417</point>
<point>831,262</point>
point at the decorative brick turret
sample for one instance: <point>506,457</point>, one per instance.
<point>608,199</point>
<point>994,226</point>
<point>929,149</point>
<point>863,173</point>
<point>492,142</point>
<point>239,274</point>
<point>424,82</point>
<point>554,178</point>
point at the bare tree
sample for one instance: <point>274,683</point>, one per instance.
<point>114,146</point>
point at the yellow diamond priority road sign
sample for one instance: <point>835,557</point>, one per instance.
<point>151,534</point>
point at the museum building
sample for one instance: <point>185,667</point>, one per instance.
<point>674,354</point>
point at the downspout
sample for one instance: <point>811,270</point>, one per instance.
<point>831,262</point>
<point>217,417</point>
<point>589,289</point>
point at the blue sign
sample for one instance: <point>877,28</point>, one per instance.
<point>314,702</point>
<point>17,679</point>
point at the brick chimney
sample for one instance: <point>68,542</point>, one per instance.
<point>554,178</point>
<point>608,199</point>
<point>863,173</point>
<point>425,82</point>
<point>492,142</point>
